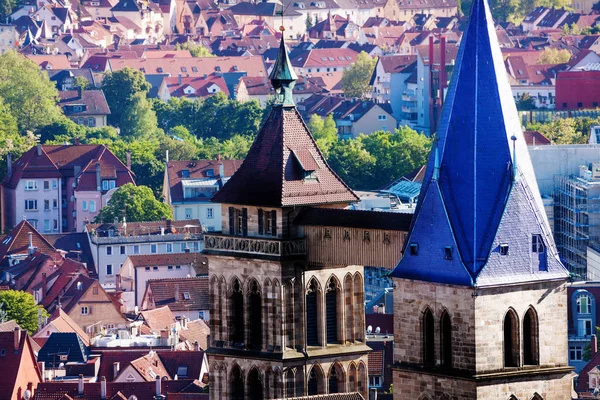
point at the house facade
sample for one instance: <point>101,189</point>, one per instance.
<point>57,187</point>
<point>88,108</point>
<point>189,186</point>
<point>111,244</point>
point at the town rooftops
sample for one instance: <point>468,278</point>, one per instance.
<point>48,61</point>
<point>396,63</point>
<point>193,67</point>
<point>61,321</point>
<point>17,242</point>
<point>86,102</point>
<point>354,219</point>
<point>198,87</point>
<point>63,348</point>
<point>14,362</point>
<point>535,138</point>
<point>107,229</point>
<point>159,318</point>
<point>323,58</point>
<point>198,261</point>
<point>180,294</point>
<point>426,4</point>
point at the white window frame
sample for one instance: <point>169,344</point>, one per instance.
<point>153,248</point>
<point>577,352</point>
<point>84,205</point>
<point>109,266</point>
<point>84,310</point>
<point>92,206</point>
<point>109,251</point>
<point>31,205</point>
<point>31,185</point>
<point>188,213</point>
<point>136,249</point>
<point>210,213</point>
<point>588,305</point>
<point>169,248</point>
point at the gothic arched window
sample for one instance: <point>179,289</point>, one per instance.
<point>316,381</point>
<point>236,384</point>
<point>530,338</point>
<point>312,313</point>
<point>511,339</point>
<point>255,387</point>
<point>254,317</point>
<point>428,339</point>
<point>236,323</point>
<point>446,340</point>
<point>331,309</point>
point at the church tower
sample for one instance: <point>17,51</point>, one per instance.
<point>480,301</point>
<point>282,327</point>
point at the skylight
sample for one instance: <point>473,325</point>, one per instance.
<point>186,295</point>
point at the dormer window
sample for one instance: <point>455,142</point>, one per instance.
<point>185,173</point>
<point>414,249</point>
<point>448,253</point>
<point>186,295</point>
<point>503,249</point>
<point>210,173</point>
<point>537,244</point>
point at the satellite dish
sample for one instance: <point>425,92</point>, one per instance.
<point>369,329</point>
<point>27,395</point>
<point>377,330</point>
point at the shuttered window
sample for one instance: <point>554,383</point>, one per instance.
<point>231,221</point>
<point>274,223</point>
<point>260,221</point>
<point>244,222</point>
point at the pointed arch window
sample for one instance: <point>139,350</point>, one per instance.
<point>316,381</point>
<point>255,387</point>
<point>312,314</point>
<point>446,340</point>
<point>236,335</point>
<point>511,339</point>
<point>336,379</point>
<point>428,339</point>
<point>254,317</point>
<point>530,338</point>
<point>331,310</point>
<point>236,384</point>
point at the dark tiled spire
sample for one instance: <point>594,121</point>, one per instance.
<point>283,78</point>
<point>474,197</point>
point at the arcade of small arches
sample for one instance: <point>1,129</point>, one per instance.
<point>251,315</point>
<point>446,396</point>
<point>236,383</point>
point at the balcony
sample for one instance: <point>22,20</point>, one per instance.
<point>251,245</point>
<point>409,109</point>
<point>409,95</point>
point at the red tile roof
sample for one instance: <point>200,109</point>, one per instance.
<point>272,176</point>
<point>535,138</point>
<point>17,242</point>
<point>172,360</point>
<point>13,361</point>
<point>159,318</point>
<point>198,261</point>
<point>45,61</point>
<point>61,321</point>
<point>376,362</point>
<point>196,331</point>
<point>94,101</point>
<point>180,294</point>
<point>149,366</point>
<point>393,64</point>
<point>198,169</point>
<point>202,88</point>
<point>323,58</point>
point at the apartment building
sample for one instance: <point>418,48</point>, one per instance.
<point>58,188</point>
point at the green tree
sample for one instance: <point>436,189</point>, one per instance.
<point>525,102</point>
<point>21,307</point>
<point>3,314</point>
<point>138,120</point>
<point>560,131</point>
<point>136,203</point>
<point>324,131</point>
<point>179,149</point>
<point>195,49</point>
<point>355,79</point>
<point>10,140</point>
<point>554,56</point>
<point>28,92</point>
<point>352,162</point>
<point>81,82</point>
<point>236,147</point>
<point>309,22</point>
<point>120,89</point>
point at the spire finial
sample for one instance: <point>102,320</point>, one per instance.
<point>515,171</point>
<point>436,164</point>
<point>283,76</point>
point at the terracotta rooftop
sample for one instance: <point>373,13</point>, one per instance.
<point>17,242</point>
<point>197,87</point>
<point>159,318</point>
<point>535,138</point>
<point>196,331</point>
<point>198,261</point>
<point>63,323</point>
<point>15,360</point>
<point>149,366</point>
<point>180,294</point>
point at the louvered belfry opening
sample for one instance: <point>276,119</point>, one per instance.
<point>312,323</point>
<point>428,339</point>
<point>331,310</point>
<point>254,317</point>
<point>446,340</point>
<point>236,323</point>
<point>255,388</point>
<point>236,385</point>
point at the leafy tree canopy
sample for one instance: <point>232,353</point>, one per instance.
<point>27,92</point>
<point>355,79</point>
<point>195,49</point>
<point>554,56</point>
<point>10,140</point>
<point>324,131</point>
<point>567,130</point>
<point>21,307</point>
<point>136,203</point>
<point>120,88</point>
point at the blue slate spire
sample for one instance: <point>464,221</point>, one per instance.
<point>472,169</point>
<point>283,78</point>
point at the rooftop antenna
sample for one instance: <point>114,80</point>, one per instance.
<point>515,171</point>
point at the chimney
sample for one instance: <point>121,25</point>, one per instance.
<point>103,388</point>
<point>118,283</point>
<point>594,345</point>
<point>17,339</point>
<point>221,170</point>
<point>176,294</point>
<point>79,92</point>
<point>39,150</point>
<point>9,165</point>
<point>196,346</point>
<point>44,286</point>
<point>179,79</point>
<point>158,388</point>
<point>80,385</point>
<point>443,78</point>
<point>116,368</point>
<point>98,178</point>
<point>128,159</point>
<point>76,141</point>
<point>30,249</point>
<point>162,231</point>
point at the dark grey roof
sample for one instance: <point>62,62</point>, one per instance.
<point>68,345</point>
<point>126,5</point>
<point>155,80</point>
<point>354,219</point>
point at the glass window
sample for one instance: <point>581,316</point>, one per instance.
<point>46,205</point>
<point>170,268</point>
<point>54,224</point>
<point>54,203</point>
<point>54,184</point>
<point>209,212</point>
<point>183,247</point>
<point>46,225</point>
<point>537,245</point>
<point>30,205</point>
<point>178,267</point>
<point>109,250</point>
<point>153,248</point>
<point>575,353</point>
<point>188,213</point>
<point>123,250</point>
<point>169,247</point>
<point>92,206</point>
<point>46,185</point>
<point>31,185</point>
<point>84,205</point>
<point>136,249</point>
<point>584,327</point>
<point>109,270</point>
<point>583,305</point>
<point>84,310</point>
